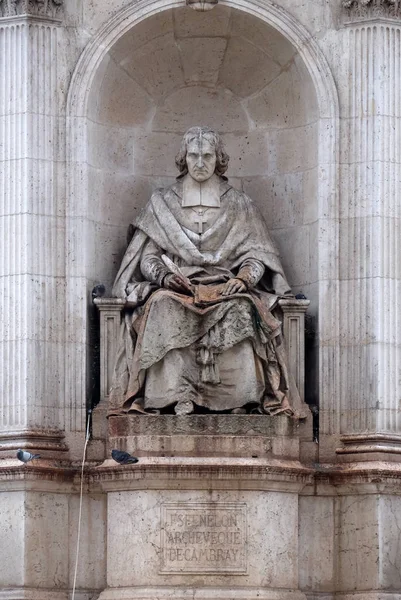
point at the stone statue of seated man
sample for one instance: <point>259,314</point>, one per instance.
<point>201,279</point>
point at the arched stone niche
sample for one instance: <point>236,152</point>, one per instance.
<point>251,72</point>
<point>225,69</point>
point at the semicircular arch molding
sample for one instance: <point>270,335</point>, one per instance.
<point>267,11</point>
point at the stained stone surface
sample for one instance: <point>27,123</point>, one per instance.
<point>201,537</point>
<point>82,100</point>
<point>263,558</point>
<point>207,435</point>
<point>233,425</point>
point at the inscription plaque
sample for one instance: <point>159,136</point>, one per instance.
<point>203,537</point>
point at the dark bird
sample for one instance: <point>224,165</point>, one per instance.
<point>301,297</point>
<point>26,457</point>
<point>98,291</point>
<point>123,458</point>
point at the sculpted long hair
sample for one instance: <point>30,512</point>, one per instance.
<point>211,136</point>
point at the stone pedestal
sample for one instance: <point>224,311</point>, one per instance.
<point>219,542</point>
<point>240,436</point>
<point>38,532</point>
<point>210,510</point>
<point>349,532</point>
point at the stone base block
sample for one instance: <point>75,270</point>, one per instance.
<point>368,596</point>
<point>370,447</point>
<point>257,436</point>
<point>40,594</point>
<point>353,596</point>
<point>179,593</point>
<point>202,540</point>
<point>45,442</point>
<point>33,594</point>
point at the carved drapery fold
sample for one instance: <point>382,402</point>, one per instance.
<point>369,9</point>
<point>39,8</point>
<point>293,311</point>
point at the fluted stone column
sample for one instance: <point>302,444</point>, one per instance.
<point>370,266</point>
<point>32,256</point>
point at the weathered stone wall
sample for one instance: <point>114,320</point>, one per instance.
<point>93,96</point>
<point>226,70</point>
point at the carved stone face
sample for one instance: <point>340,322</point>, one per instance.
<point>201,159</point>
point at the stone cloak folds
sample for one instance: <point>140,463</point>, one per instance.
<point>160,325</point>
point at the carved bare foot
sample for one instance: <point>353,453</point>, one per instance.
<point>184,407</point>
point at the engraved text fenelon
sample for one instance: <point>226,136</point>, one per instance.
<point>203,537</point>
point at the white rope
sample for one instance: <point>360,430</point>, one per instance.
<point>80,507</point>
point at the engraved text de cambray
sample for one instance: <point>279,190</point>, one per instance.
<point>202,538</point>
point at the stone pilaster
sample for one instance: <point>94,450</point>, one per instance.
<point>370,220</point>
<point>32,258</point>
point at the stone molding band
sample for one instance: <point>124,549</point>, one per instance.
<point>182,473</point>
<point>37,8</point>
<point>370,446</point>
<point>370,9</point>
<point>32,439</point>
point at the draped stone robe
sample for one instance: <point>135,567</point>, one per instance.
<point>220,352</point>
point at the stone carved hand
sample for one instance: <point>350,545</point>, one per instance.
<point>234,286</point>
<point>177,283</point>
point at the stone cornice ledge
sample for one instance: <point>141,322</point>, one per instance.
<point>289,476</point>
<point>155,472</point>
<point>47,9</point>
<point>370,477</point>
<point>40,475</point>
<point>361,10</point>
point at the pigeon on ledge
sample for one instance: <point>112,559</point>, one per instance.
<point>98,291</point>
<point>26,457</point>
<point>123,458</point>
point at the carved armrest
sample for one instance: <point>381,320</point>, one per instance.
<point>294,337</point>
<point>110,321</point>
